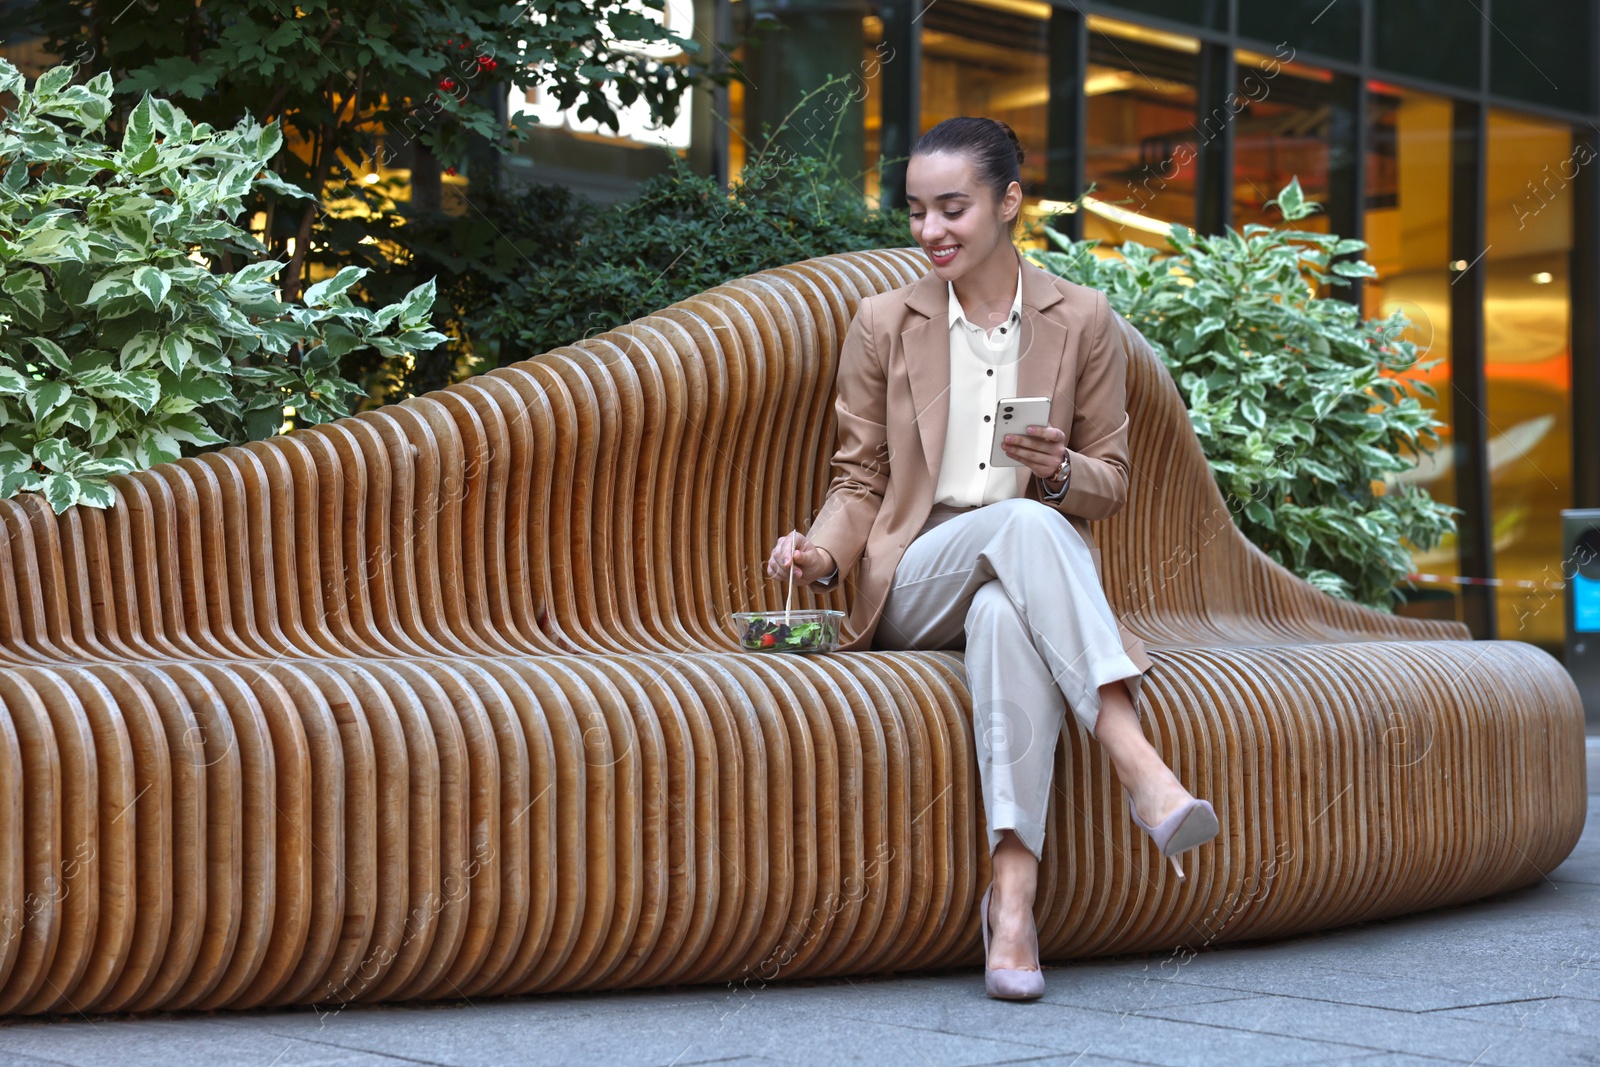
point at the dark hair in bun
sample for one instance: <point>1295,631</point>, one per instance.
<point>995,152</point>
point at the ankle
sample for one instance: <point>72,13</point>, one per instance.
<point>1011,904</point>
<point>1156,794</point>
<point>1014,872</point>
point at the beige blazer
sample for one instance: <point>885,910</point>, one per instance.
<point>893,403</point>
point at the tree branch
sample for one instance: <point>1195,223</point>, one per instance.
<point>323,154</point>
<point>283,90</point>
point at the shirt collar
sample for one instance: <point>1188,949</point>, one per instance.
<point>957,314</point>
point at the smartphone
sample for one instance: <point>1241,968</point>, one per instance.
<point>1014,415</point>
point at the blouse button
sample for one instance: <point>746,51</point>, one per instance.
<point>990,373</point>
<point>980,466</point>
<point>986,418</point>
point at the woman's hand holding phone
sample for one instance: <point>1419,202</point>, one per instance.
<point>809,561</point>
<point>1040,449</point>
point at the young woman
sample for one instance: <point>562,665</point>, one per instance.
<point>948,550</point>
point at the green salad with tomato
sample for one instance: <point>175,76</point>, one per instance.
<point>769,635</point>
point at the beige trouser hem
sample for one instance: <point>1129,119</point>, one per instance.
<point>1014,584</point>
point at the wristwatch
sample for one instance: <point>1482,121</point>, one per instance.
<point>1063,474</point>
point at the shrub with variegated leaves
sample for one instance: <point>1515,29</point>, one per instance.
<point>138,321</point>
<point>1305,409</point>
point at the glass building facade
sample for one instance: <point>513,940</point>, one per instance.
<point>1457,138</point>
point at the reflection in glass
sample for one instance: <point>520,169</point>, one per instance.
<point>1407,225</point>
<point>1283,130</point>
<point>1308,25</point>
<point>1544,55</point>
<point>867,86</point>
<point>859,86</point>
<point>1141,141</point>
<point>736,124</point>
<point>1452,32</point>
<point>1211,14</point>
<point>991,60</point>
<point>1528,366</point>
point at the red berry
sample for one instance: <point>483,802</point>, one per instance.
<point>768,640</point>
<point>447,84</point>
<point>491,64</point>
<point>450,171</point>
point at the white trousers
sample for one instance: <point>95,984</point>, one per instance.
<point>1014,584</point>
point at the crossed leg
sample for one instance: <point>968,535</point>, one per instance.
<point>1014,584</point>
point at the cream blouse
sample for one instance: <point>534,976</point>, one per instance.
<point>983,370</point>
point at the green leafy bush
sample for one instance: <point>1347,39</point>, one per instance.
<point>531,267</point>
<point>1302,406</point>
<point>126,334</point>
<point>501,244</point>
<point>426,74</point>
<point>683,234</point>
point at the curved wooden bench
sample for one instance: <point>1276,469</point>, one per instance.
<point>441,701</point>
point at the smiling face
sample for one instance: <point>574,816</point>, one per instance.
<point>957,219</point>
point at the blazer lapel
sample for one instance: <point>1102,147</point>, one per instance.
<point>1041,340</point>
<point>1041,345</point>
<point>926,350</point>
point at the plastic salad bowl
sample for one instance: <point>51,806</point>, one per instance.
<point>808,630</point>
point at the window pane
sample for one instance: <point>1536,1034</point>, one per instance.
<point>1542,55</point>
<point>978,60</point>
<point>1141,146</point>
<point>1528,366</point>
<point>1437,39</point>
<point>1282,131</point>
<point>1305,25</point>
<point>1209,14</point>
<point>28,55</point>
<point>867,84</point>
<point>1408,240</point>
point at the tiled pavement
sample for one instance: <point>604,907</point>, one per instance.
<point>1508,981</point>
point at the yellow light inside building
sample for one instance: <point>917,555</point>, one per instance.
<point>1109,212</point>
<point>1123,217</point>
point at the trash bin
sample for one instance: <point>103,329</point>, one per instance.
<point>1580,537</point>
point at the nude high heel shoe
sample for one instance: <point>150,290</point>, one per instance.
<point>1194,823</point>
<point>1005,983</point>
